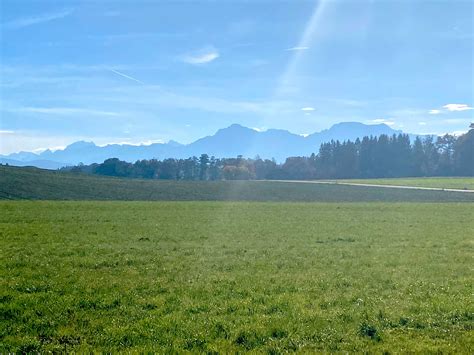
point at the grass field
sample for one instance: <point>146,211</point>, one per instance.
<point>236,276</point>
<point>37,184</point>
<point>462,183</point>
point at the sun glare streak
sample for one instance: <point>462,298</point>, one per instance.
<point>304,42</point>
<point>285,80</point>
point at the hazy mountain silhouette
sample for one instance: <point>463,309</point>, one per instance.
<point>227,142</point>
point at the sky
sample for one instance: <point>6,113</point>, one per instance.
<point>150,71</point>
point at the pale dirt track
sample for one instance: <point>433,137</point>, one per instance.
<point>374,185</point>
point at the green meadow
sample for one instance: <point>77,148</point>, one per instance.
<point>226,277</point>
<point>462,183</point>
<point>105,264</point>
<point>36,184</point>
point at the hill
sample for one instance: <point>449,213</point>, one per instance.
<point>43,164</point>
<point>38,184</point>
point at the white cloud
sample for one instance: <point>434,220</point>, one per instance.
<point>307,109</point>
<point>34,20</point>
<point>422,123</point>
<point>384,121</point>
<point>434,112</point>
<point>6,132</point>
<point>203,56</point>
<point>457,107</point>
<point>301,48</point>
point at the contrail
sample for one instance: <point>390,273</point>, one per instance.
<point>126,76</point>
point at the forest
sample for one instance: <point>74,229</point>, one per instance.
<point>370,157</point>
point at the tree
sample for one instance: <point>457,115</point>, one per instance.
<point>168,170</point>
<point>464,154</point>
<point>324,165</point>
<point>370,157</point>
<point>298,168</point>
<point>114,167</point>
<point>431,156</point>
<point>214,169</point>
<point>203,166</point>
<point>445,147</point>
<point>188,168</point>
<point>232,172</point>
<point>418,157</point>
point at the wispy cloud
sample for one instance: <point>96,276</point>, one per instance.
<point>64,111</point>
<point>153,96</point>
<point>134,36</point>
<point>457,107</point>
<point>307,109</point>
<point>19,81</point>
<point>34,20</point>
<point>451,108</point>
<point>125,76</point>
<point>457,121</point>
<point>297,48</point>
<point>203,56</point>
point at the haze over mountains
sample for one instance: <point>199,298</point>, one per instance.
<point>227,142</point>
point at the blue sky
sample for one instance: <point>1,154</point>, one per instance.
<point>150,71</point>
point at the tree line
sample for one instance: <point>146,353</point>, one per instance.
<point>370,157</point>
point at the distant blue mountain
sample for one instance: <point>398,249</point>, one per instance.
<point>43,164</point>
<point>227,142</point>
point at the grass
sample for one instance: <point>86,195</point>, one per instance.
<point>236,276</point>
<point>463,183</point>
<point>37,184</point>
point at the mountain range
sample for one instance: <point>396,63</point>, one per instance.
<point>227,142</point>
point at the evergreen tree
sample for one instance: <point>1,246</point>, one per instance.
<point>370,157</point>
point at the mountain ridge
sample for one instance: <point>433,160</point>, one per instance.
<point>226,142</point>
